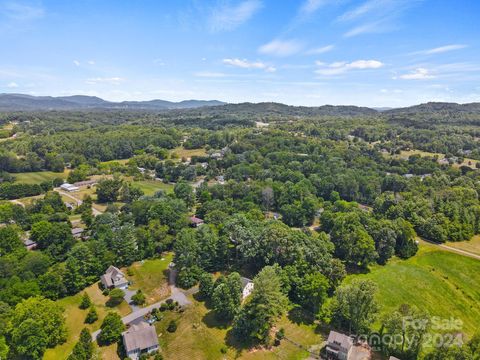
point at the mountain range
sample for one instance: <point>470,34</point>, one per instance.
<point>23,102</point>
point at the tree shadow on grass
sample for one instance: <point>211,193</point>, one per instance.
<point>355,269</point>
<point>238,345</point>
<point>211,321</point>
<point>299,316</point>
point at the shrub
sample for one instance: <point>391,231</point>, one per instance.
<point>172,326</point>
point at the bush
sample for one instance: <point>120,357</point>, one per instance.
<point>163,307</point>
<point>86,302</point>
<point>139,298</point>
<point>92,316</point>
<point>116,297</point>
<point>172,326</point>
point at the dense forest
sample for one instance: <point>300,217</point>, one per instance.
<point>294,198</point>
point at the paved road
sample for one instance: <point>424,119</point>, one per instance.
<point>452,249</point>
<point>135,316</point>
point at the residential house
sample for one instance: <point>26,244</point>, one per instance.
<point>140,339</point>
<point>29,244</point>
<point>77,232</point>
<point>339,346</point>
<point>247,287</point>
<point>114,278</point>
<point>196,222</point>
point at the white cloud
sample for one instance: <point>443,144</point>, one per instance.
<point>76,62</point>
<point>91,62</point>
<point>417,74</point>
<point>368,28</point>
<point>12,85</point>
<point>281,47</point>
<point>320,50</point>
<point>245,64</point>
<point>21,12</point>
<point>341,67</point>
<point>105,80</point>
<point>226,18</point>
<point>442,49</point>
<point>310,6</point>
<point>375,16</point>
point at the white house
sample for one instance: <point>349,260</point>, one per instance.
<point>140,339</point>
<point>247,287</point>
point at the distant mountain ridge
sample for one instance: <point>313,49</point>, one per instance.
<point>23,102</point>
<point>12,102</point>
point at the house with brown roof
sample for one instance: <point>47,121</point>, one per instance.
<point>140,339</point>
<point>114,278</point>
<point>339,346</point>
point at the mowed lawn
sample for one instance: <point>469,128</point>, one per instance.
<point>472,245</point>
<point>150,187</point>
<point>151,277</point>
<point>443,283</point>
<point>75,319</point>
<point>39,176</point>
<point>182,152</point>
<point>200,337</point>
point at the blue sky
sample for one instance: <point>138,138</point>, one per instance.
<point>306,52</point>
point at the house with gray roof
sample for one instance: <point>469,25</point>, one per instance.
<point>140,339</point>
<point>114,278</point>
<point>339,346</point>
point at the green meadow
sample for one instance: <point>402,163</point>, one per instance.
<point>443,283</point>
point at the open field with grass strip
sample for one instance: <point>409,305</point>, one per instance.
<point>151,277</point>
<point>441,282</point>
<point>75,319</point>
<point>472,245</point>
<point>39,176</point>
<point>181,152</point>
<point>150,187</point>
<point>406,154</point>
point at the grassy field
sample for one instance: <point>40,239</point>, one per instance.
<point>39,176</point>
<point>472,245</point>
<point>150,187</point>
<point>75,319</point>
<point>151,277</point>
<point>443,283</point>
<point>181,152</point>
<point>199,336</point>
<point>406,154</point>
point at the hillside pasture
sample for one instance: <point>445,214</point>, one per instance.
<point>443,283</point>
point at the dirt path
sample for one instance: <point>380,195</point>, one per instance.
<point>455,250</point>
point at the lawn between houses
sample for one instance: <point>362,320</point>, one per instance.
<point>151,277</point>
<point>148,275</point>
<point>200,336</point>
<point>75,317</point>
<point>443,283</point>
